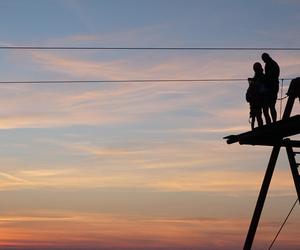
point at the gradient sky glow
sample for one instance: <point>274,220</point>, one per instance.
<point>139,166</point>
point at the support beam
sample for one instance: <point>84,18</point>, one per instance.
<point>293,93</point>
<point>288,108</point>
<point>262,197</point>
<point>293,165</point>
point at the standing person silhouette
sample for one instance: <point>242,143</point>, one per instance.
<point>256,95</point>
<point>272,72</point>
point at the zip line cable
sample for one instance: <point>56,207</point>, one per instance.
<point>283,223</point>
<point>129,81</point>
<point>146,48</point>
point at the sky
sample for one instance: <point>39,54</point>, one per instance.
<point>138,166</point>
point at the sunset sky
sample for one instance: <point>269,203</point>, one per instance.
<point>138,166</point>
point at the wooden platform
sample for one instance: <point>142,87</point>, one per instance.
<point>269,135</point>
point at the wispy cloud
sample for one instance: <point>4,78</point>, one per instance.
<point>9,181</point>
<point>185,66</point>
<point>42,173</point>
<point>12,177</point>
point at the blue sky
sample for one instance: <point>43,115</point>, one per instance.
<point>137,166</point>
<point>200,23</point>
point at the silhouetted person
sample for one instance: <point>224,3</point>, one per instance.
<point>272,72</point>
<point>256,94</point>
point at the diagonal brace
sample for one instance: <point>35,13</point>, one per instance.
<point>262,197</point>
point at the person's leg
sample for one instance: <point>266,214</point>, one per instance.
<point>266,114</point>
<point>259,117</point>
<point>252,122</point>
<point>272,108</point>
<point>273,112</point>
<point>252,115</point>
<point>259,121</point>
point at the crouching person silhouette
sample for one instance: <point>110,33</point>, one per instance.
<point>255,95</point>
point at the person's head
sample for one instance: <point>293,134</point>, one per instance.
<point>265,57</point>
<point>257,67</point>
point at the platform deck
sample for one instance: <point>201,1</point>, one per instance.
<point>268,135</point>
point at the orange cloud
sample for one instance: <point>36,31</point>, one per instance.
<point>128,232</point>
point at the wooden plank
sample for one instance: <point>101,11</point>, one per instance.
<point>268,135</point>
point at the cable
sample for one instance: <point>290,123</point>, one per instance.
<point>280,99</point>
<point>292,208</point>
<point>144,48</point>
<point>281,94</point>
<point>129,81</point>
<point>123,81</point>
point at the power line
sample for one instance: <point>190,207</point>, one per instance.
<point>282,225</point>
<point>147,48</point>
<point>123,81</point>
<point>129,81</point>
